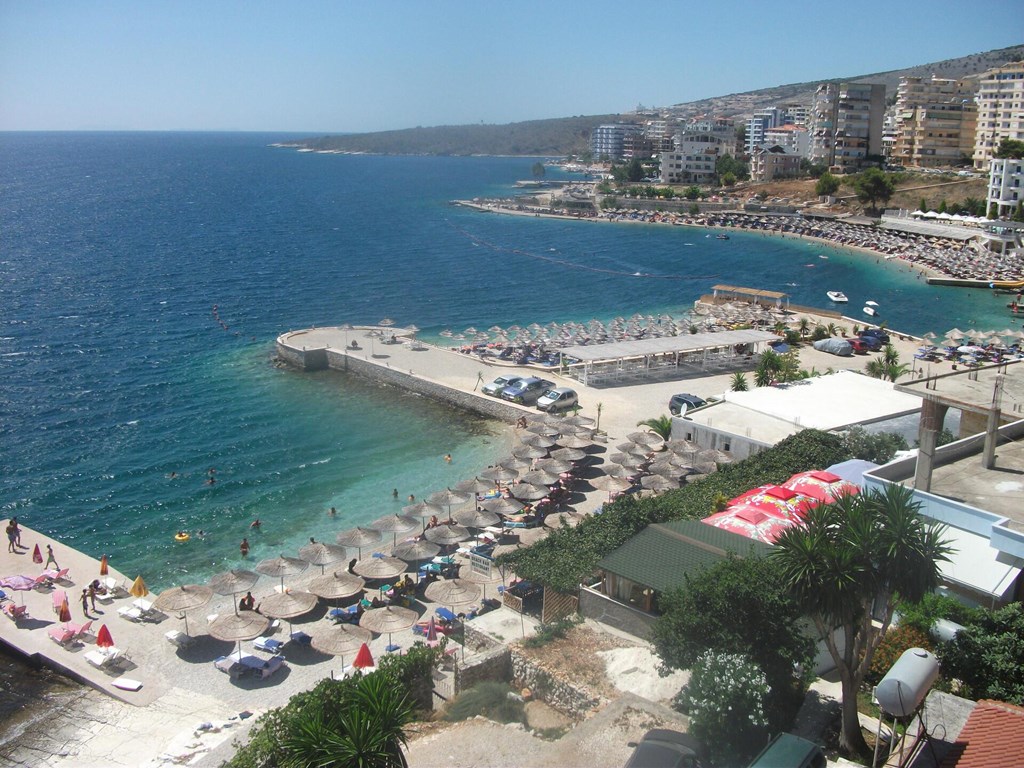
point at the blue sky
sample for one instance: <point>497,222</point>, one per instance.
<point>347,66</point>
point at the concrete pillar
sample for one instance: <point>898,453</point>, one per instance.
<point>933,414</point>
<point>988,455</point>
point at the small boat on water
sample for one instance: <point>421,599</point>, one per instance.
<point>721,237</point>
<point>870,311</point>
<point>837,296</point>
<point>871,303</point>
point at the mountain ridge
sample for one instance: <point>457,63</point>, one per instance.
<point>568,135</point>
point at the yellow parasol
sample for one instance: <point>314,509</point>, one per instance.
<point>138,588</point>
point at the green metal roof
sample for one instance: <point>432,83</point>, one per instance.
<point>662,555</point>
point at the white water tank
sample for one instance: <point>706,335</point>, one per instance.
<point>906,684</point>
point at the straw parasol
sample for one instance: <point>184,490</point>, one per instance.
<point>139,588</point>
<point>611,484</point>
<point>236,627</point>
<point>559,519</point>
<point>234,581</point>
<point>184,599</point>
<point>319,553</point>
<point>569,453</point>
<point>452,592</point>
<point>395,524</point>
<point>448,497</point>
<point>380,567</point>
<point>476,518</point>
<point>658,483</point>
<point>620,472</point>
<point>340,639</point>
<point>475,485</point>
<point>447,534</point>
<point>646,438</point>
<point>336,585</point>
<point>557,466</point>
<point>714,455</point>
<point>529,452</point>
<point>573,440</point>
<point>634,449</point>
<point>387,620</point>
<point>423,509</point>
<point>502,506</point>
<point>529,491</point>
<point>358,538</point>
<point>682,446</point>
<point>287,605</point>
<point>515,462</point>
<point>628,460</point>
<point>540,428</point>
<point>415,550</point>
<point>537,441</point>
<point>500,474</point>
<point>281,566</point>
<point>540,477</point>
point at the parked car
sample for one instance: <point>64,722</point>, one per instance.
<point>878,333</point>
<point>662,748</point>
<point>860,347</point>
<point>527,391</point>
<point>558,399</point>
<point>676,403</point>
<point>496,387</point>
<point>792,752</point>
<point>873,343</point>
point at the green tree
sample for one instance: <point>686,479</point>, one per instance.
<point>728,179</point>
<point>661,425</point>
<point>987,657</point>
<point>538,170</point>
<point>368,732</point>
<point>739,382</point>
<point>827,185</point>
<point>1009,148</point>
<point>739,605</point>
<point>635,170</point>
<point>873,186</point>
<point>692,192</point>
<point>879,447</point>
<point>694,209</point>
<point>922,205</point>
<point>854,557</point>
<point>725,699</point>
<point>886,366</point>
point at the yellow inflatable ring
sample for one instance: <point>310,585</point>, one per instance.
<point>181,537</point>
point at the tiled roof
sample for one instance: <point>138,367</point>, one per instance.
<point>662,555</point>
<point>993,737</point>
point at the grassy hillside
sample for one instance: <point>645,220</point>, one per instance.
<point>568,135</point>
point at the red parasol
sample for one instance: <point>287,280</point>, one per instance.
<point>821,485</point>
<point>776,500</point>
<point>37,556</point>
<point>431,633</point>
<point>65,611</point>
<point>103,566</point>
<point>363,658</point>
<point>103,638</point>
<point>753,522</point>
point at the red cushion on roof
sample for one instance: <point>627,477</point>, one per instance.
<point>825,477</point>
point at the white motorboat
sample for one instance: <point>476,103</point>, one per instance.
<point>837,296</point>
<point>871,303</point>
<point>870,311</point>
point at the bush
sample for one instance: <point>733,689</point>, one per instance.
<point>725,702</point>
<point>988,656</point>
<point>933,607</point>
<point>493,700</point>
<point>554,630</point>
<point>879,447</point>
<point>896,641</point>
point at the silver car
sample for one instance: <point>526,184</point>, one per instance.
<point>496,387</point>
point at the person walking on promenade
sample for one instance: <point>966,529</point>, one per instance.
<point>11,538</point>
<point>92,596</point>
<point>50,558</point>
<point>17,533</point>
<point>85,603</point>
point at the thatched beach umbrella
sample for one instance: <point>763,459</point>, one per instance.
<point>555,466</point>
<point>540,428</point>
<point>423,509</point>
<point>447,534</point>
<point>502,506</point>
<point>569,454</point>
<point>537,441</point>
<point>475,485</point>
<point>380,567</point>
<point>232,582</point>
<point>578,421</point>
<point>658,483</point>
<point>476,518</point>
<point>281,566</point>
<point>410,551</point>
<point>395,524</point>
<point>319,553</point>
<point>452,592</point>
<point>529,452</point>
<point>287,605</point>
<point>611,484</point>
<point>336,585</point>
<point>358,538</point>
<point>528,491</point>
<point>540,477</point>
<point>646,438</point>
<point>631,460</point>
<point>500,474</point>
<point>184,599</point>
<point>516,462</point>
<point>388,620</point>
<point>236,627</point>
<point>340,639</point>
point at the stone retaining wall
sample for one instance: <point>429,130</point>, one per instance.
<point>493,664</point>
<point>319,359</point>
<point>557,693</point>
<point>601,608</point>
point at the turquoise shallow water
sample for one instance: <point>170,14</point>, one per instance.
<point>144,277</point>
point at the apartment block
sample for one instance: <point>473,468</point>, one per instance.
<point>608,142</point>
<point>767,163</point>
<point>935,122</point>
<point>846,124</point>
<point>1005,185</point>
<point>1000,101</point>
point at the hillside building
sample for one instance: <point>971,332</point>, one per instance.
<point>767,163</point>
<point>1000,101</point>
<point>793,138</point>
<point>608,142</point>
<point>935,122</point>
<point>846,124</point>
<point>1005,186</point>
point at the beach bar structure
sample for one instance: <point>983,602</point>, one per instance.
<point>604,364</point>
<point>724,293</point>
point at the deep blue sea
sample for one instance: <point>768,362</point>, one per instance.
<point>123,256</point>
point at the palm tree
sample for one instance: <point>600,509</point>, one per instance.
<point>366,732</point>
<point>661,426</point>
<point>850,556</point>
<point>804,326</point>
<point>739,382</point>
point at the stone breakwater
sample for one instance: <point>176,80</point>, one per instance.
<point>382,369</point>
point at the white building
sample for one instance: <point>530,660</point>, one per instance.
<point>1000,111</point>
<point>608,141</point>
<point>757,124</point>
<point>694,158</point>
<point>846,124</point>
<point>795,139</point>
<point>1005,182</point>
